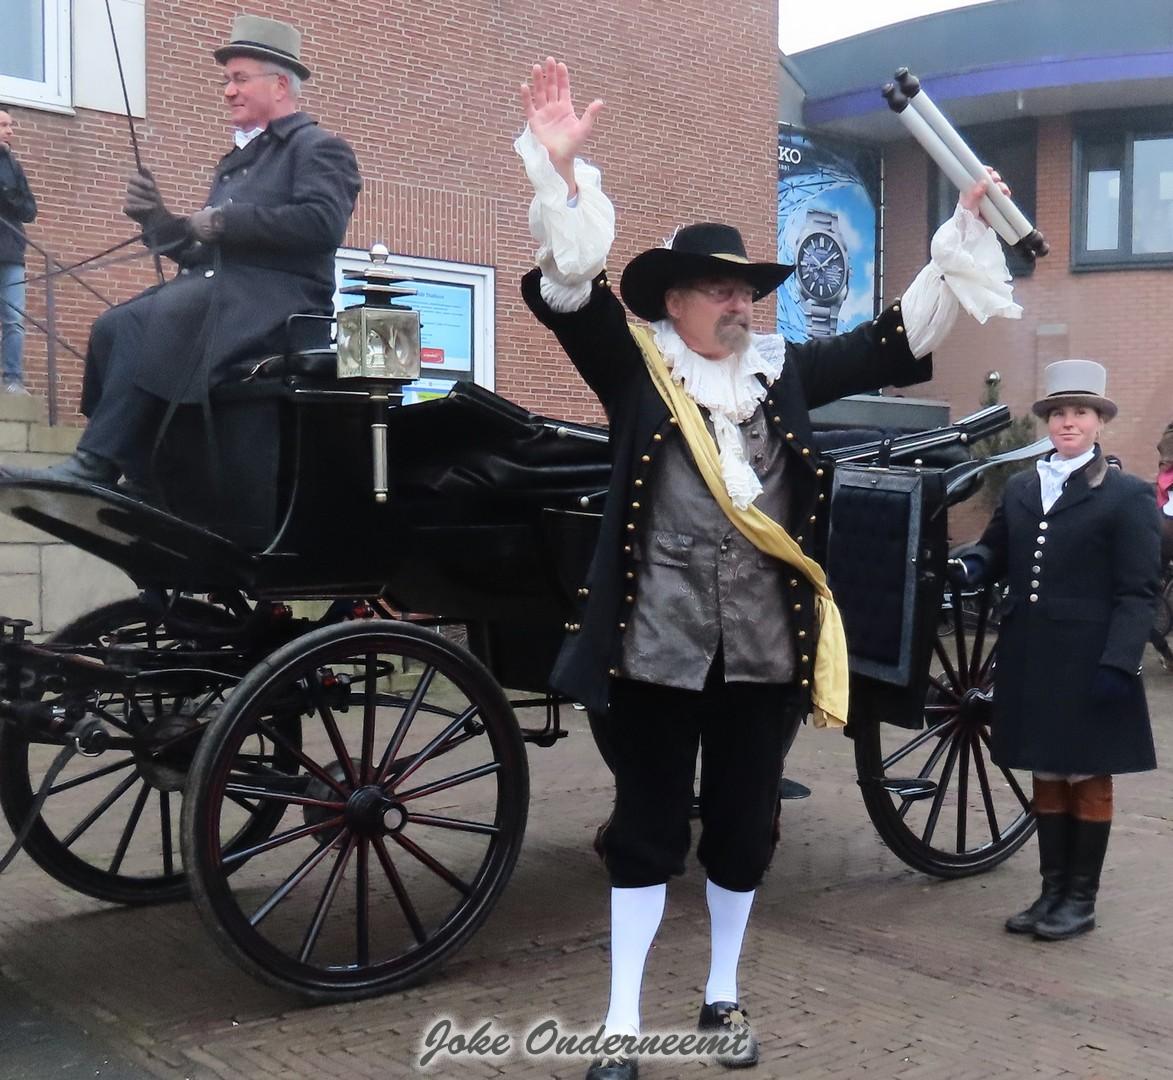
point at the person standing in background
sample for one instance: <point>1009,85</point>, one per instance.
<point>17,208</point>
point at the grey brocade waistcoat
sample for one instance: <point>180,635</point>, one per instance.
<point>701,584</point>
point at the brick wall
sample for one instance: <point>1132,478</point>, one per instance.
<point>425,90</point>
<point>1123,319</point>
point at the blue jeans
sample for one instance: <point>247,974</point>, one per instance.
<point>12,294</point>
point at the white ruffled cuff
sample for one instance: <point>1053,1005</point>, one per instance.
<point>573,241</point>
<point>967,269</point>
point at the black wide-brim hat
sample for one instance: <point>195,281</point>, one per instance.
<point>264,39</point>
<point>697,251</point>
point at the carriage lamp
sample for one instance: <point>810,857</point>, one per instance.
<point>379,343</point>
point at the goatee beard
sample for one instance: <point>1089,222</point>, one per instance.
<point>734,336</point>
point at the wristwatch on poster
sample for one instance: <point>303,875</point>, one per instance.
<point>821,268</point>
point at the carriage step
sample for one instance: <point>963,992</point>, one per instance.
<point>910,788</point>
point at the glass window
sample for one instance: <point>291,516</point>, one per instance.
<point>1122,212</point>
<point>1009,148</point>
<point>34,52</point>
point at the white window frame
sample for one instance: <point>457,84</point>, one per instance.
<point>482,279</point>
<point>55,92</point>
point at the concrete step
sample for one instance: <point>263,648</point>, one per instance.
<point>29,409</point>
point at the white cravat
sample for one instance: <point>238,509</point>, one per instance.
<point>243,138</point>
<point>1053,473</point>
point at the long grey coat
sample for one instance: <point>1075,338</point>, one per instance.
<point>287,198</point>
<point>1083,580</point>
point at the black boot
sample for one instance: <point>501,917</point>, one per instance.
<point>614,1068</point>
<point>727,1019</point>
<point>83,466</point>
<point>1054,833</point>
<point>1076,912</point>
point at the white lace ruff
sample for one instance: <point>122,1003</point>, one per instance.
<point>731,392</point>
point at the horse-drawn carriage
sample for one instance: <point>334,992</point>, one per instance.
<point>343,789</point>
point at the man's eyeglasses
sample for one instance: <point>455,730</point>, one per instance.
<point>239,78</point>
<point>721,292</point>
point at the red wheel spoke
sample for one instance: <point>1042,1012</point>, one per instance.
<point>252,792</point>
<point>984,780</point>
<point>306,866</point>
<point>337,743</point>
<point>405,904</point>
<point>445,736</point>
<point>962,791</point>
<point>279,740</point>
<point>326,901</point>
<point>929,733</point>
<point>947,664</point>
<point>449,782</point>
<point>126,763</point>
<point>942,787</point>
<point>234,857</point>
<point>432,863</point>
<point>362,904</point>
<point>405,722</point>
<point>459,824</point>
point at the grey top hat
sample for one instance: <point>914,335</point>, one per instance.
<point>266,39</point>
<point>1074,382</point>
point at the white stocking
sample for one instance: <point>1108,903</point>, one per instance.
<point>635,918</point>
<point>728,916</point>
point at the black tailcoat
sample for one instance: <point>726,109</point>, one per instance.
<point>287,198</point>
<point>599,344</point>
<point>1089,602</point>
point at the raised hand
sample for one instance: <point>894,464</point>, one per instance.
<point>143,201</point>
<point>549,111</point>
<point>971,198</point>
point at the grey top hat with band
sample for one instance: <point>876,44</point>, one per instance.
<point>697,251</point>
<point>1074,382</point>
<point>264,39</point>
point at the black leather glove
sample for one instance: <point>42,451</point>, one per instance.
<point>1111,683</point>
<point>207,225</point>
<point>143,203</point>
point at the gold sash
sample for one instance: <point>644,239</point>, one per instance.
<point>829,692</point>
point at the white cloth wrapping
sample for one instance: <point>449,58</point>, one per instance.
<point>731,392</point>
<point>573,241</point>
<point>243,138</point>
<point>966,268</point>
<point>1053,473</point>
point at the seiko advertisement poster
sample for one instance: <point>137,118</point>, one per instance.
<point>828,194</point>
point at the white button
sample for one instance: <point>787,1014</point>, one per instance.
<point>1042,525</point>
<point>1036,569</point>
<point>1034,584</point>
<point>1038,554</point>
<point>1034,598</point>
<point>209,273</point>
<point>1040,539</point>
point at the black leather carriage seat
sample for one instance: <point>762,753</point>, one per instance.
<point>315,364</point>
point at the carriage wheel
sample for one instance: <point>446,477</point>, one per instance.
<point>110,825</point>
<point>403,813</point>
<point>934,795</point>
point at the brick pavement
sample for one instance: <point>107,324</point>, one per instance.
<point>854,965</point>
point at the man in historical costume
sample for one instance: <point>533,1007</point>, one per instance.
<point>262,249</point>
<point>706,621</point>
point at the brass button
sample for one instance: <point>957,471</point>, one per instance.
<point>789,434</point>
<point>566,625</point>
<point>883,341</point>
<point>778,420</point>
<point>645,459</point>
<point>806,451</point>
<point>630,575</point>
<point>635,506</point>
<point>639,483</point>
<point>657,437</point>
<point>822,497</point>
<point>806,659</point>
<point>673,420</point>
<point>818,472</point>
<point>626,549</point>
<point>612,672</point>
<point>769,401</point>
<point>629,599</point>
<point>630,527</point>
<point>798,538</point>
<point>802,633</point>
<point>900,329</point>
<point>806,682</point>
<point>895,307</point>
<point>812,519</point>
<point>797,607</point>
<point>794,583</point>
<point>623,626</point>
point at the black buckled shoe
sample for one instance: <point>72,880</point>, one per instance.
<point>730,1020</point>
<point>81,466</point>
<point>614,1068</point>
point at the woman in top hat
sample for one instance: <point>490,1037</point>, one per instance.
<point>1078,544</point>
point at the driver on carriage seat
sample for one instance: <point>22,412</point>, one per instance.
<point>260,250</point>
<point>706,618</point>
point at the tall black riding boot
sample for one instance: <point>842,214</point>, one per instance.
<point>1054,833</point>
<point>1076,912</point>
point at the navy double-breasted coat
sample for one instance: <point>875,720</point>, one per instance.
<point>1083,582</point>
